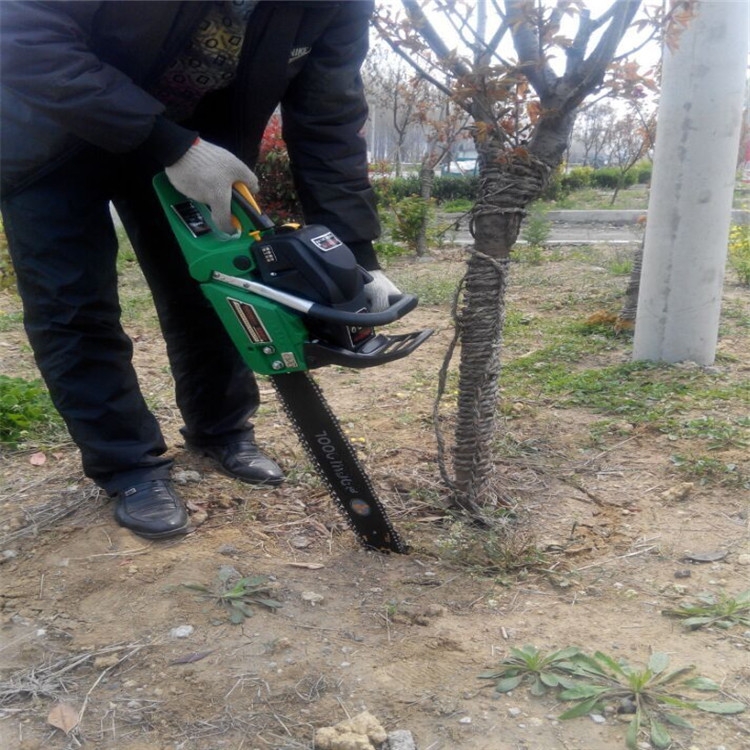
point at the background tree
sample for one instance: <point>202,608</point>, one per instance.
<point>591,135</point>
<point>521,72</point>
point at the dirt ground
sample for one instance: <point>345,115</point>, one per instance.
<point>99,620</point>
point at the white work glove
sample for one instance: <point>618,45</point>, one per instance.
<point>378,290</point>
<point>206,173</point>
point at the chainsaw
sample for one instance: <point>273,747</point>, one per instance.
<point>292,299</point>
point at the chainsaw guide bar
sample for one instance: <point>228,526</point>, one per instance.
<point>335,459</point>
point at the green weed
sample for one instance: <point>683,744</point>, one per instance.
<point>237,596</point>
<point>591,682</point>
<point>709,610</point>
<point>650,693</point>
<point>530,665</point>
<point>705,469</point>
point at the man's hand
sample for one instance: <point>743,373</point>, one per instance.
<point>378,290</point>
<point>206,174</point>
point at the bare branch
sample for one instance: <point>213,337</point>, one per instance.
<point>588,75</point>
<point>526,39</point>
<point>433,39</point>
<point>413,63</point>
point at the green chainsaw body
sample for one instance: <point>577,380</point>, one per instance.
<point>291,298</point>
<point>270,337</point>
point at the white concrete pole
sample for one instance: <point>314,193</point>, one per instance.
<point>695,158</point>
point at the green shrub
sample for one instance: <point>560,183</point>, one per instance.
<point>25,410</point>
<point>739,252</point>
<point>554,190</point>
<point>612,177</point>
<point>409,216</point>
<point>277,194</point>
<point>536,227</point>
<point>643,172</point>
<point>455,187</point>
<point>391,190</point>
<point>577,178</point>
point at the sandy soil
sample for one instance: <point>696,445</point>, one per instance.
<point>89,611</point>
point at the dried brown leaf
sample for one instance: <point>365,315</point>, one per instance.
<point>63,716</point>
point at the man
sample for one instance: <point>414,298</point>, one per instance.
<point>97,97</point>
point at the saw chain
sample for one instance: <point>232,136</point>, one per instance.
<point>336,461</point>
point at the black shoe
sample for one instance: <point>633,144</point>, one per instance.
<point>152,510</point>
<point>245,461</point>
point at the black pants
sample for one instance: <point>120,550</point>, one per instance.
<point>64,249</point>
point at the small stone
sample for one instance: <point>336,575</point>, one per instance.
<point>684,573</point>
<point>597,719</point>
<point>199,517</point>
<point>312,597</point>
<point>8,554</point>
<point>465,720</point>
<point>706,557</point>
<point>182,631</point>
<point>185,476</point>
<point>514,712</point>
<point>401,739</point>
<point>299,542</point>
<point>743,559</point>
<point>228,550</point>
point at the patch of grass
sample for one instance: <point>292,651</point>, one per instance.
<point>708,469</point>
<point>26,412</point>
<point>456,206</point>
<point>530,254</point>
<point>435,288</point>
<point>591,682</point>
<point>10,321</point>
<point>621,264</point>
<point>711,610</point>
<point>718,434</point>
<point>635,197</point>
<point>641,391</point>
<point>501,549</point>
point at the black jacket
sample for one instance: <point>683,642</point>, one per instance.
<point>77,73</point>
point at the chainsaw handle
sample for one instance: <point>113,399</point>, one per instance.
<point>400,305</point>
<point>242,195</point>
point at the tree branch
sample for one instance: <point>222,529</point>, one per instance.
<point>434,41</point>
<point>526,40</point>
<point>585,77</point>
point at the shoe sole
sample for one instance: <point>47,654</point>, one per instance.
<point>181,531</point>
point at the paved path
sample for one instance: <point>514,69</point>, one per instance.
<point>617,227</point>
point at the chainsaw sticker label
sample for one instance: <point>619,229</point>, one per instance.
<point>250,321</point>
<point>326,445</point>
<point>326,242</point>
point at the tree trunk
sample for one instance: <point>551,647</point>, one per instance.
<point>426,180</point>
<point>508,182</point>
